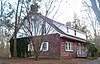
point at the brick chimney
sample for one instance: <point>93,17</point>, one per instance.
<point>68,24</point>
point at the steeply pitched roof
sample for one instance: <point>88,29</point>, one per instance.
<point>50,22</point>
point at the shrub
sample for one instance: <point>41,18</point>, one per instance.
<point>98,53</point>
<point>92,49</point>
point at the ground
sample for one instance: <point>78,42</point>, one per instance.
<point>96,61</point>
<point>43,61</point>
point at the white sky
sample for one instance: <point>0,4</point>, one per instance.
<point>67,10</point>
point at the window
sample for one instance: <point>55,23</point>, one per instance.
<point>69,46</point>
<point>30,47</point>
<point>44,46</point>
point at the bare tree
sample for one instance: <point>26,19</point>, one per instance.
<point>77,24</point>
<point>94,23</point>
<point>6,26</point>
<point>36,28</point>
<point>15,32</point>
<point>96,8</point>
<point>28,9</point>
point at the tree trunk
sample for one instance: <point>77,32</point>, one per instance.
<point>15,51</point>
<point>36,55</point>
<point>96,9</point>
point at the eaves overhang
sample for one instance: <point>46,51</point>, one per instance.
<point>72,37</point>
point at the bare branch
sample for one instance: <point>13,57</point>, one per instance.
<point>57,9</point>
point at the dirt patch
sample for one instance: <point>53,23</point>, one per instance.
<point>42,61</point>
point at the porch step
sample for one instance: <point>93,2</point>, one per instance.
<point>81,55</point>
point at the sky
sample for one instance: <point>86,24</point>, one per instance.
<point>69,8</point>
<point>66,11</point>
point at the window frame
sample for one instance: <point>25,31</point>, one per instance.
<point>69,46</point>
<point>30,47</point>
<point>47,46</point>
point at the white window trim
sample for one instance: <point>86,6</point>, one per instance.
<point>47,46</point>
<point>69,50</point>
<point>67,45</point>
<point>30,47</point>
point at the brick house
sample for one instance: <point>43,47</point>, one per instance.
<point>60,42</point>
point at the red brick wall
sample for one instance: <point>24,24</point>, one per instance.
<point>68,54</point>
<point>54,47</point>
<point>57,47</point>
